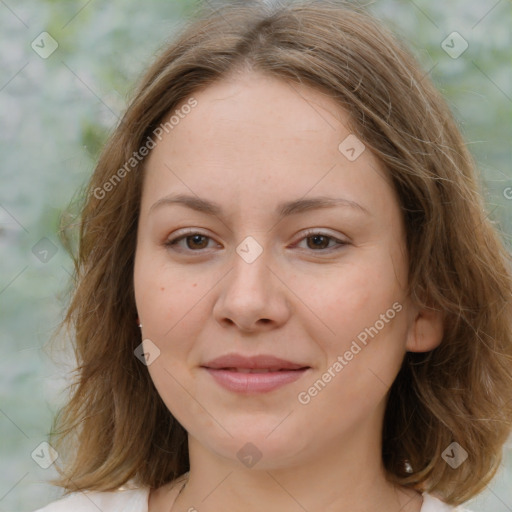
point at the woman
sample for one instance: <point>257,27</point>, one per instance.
<point>289,295</point>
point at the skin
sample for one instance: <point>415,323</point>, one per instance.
<point>251,143</point>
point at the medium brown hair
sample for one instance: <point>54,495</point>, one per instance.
<point>115,427</point>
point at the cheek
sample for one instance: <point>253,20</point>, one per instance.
<point>153,299</point>
<point>354,297</point>
<point>178,391</point>
<point>163,296</point>
<point>363,307</point>
<point>171,306</point>
<point>361,364</point>
<point>165,302</point>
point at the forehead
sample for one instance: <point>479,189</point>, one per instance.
<point>253,138</point>
<point>249,104</point>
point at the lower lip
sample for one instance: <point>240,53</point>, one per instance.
<point>254,382</point>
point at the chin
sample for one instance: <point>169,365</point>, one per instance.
<point>258,448</point>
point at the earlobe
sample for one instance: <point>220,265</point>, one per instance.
<point>426,331</point>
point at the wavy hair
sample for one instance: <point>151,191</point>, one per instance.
<point>115,428</point>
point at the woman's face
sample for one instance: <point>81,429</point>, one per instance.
<point>267,229</point>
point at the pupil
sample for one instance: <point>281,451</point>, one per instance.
<point>318,238</point>
<point>196,240</point>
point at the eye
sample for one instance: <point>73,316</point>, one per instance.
<point>319,241</point>
<point>194,241</point>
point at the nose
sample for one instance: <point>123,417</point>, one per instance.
<point>253,296</point>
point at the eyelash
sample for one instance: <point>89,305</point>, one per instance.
<point>309,234</point>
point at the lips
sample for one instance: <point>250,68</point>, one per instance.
<point>253,364</point>
<point>256,374</point>
<point>252,370</point>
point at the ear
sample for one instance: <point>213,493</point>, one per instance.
<point>426,331</point>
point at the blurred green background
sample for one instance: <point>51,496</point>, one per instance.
<point>55,114</point>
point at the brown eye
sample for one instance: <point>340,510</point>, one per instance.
<point>318,241</point>
<point>194,242</point>
<point>321,242</point>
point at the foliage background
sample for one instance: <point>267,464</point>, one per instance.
<point>55,114</point>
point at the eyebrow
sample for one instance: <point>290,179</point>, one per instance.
<point>283,209</point>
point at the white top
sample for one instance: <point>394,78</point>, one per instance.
<point>136,500</point>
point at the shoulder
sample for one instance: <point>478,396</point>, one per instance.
<point>433,504</point>
<point>122,500</point>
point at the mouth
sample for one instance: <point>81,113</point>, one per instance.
<point>258,370</point>
<point>254,380</point>
<point>254,374</point>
